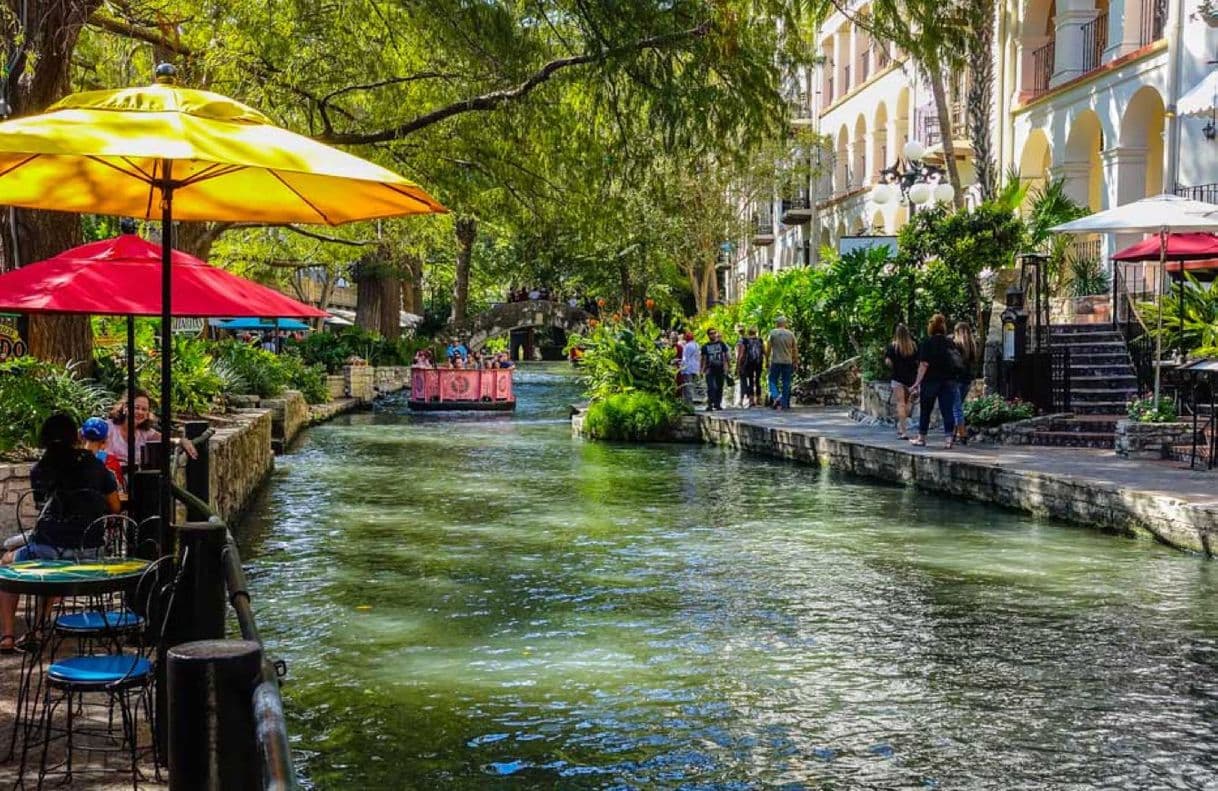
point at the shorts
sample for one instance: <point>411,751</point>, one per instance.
<point>33,551</point>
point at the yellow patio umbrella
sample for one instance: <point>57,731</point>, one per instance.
<point>180,154</point>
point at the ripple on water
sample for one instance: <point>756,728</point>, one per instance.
<point>473,602</point>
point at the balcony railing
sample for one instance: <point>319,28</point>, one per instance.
<point>763,224</point>
<point>830,95</point>
<point>845,79</point>
<point>796,208</point>
<point>1095,41</point>
<point>1207,193</point>
<point>1042,67</point>
<point>882,58</point>
<point>1154,21</point>
<point>864,65</point>
<point>1086,249</point>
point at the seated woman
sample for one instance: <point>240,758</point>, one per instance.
<point>140,425</point>
<point>73,489</point>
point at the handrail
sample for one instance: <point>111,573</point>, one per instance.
<point>271,733</point>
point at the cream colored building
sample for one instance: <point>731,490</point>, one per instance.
<point>1082,92</point>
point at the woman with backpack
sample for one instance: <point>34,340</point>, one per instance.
<point>901,357</point>
<point>750,354</point>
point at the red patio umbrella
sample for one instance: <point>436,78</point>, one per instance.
<point>120,277</point>
<point>1180,247</point>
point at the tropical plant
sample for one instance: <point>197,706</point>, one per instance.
<point>310,380</point>
<point>199,380</point>
<point>1146,410</point>
<point>1087,276</point>
<point>1186,318</point>
<point>623,356</point>
<point>259,370</point>
<point>994,410</point>
<point>33,390</point>
<point>634,416</point>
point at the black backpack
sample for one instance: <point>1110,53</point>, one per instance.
<point>753,351</point>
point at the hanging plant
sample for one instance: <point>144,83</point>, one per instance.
<point>1208,11</point>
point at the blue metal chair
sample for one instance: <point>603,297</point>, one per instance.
<point>124,679</point>
<point>110,619</point>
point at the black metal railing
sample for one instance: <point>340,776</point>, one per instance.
<point>1084,249</point>
<point>1095,41</point>
<point>1203,411</point>
<point>1126,317</point>
<point>1154,21</point>
<point>796,201</point>
<point>1043,60</point>
<point>830,95</point>
<point>763,224</point>
<point>864,65</point>
<point>270,731</point>
<point>846,79</point>
<point>1207,193</point>
<point>1059,361</point>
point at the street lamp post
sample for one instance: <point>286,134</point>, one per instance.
<point>914,182</point>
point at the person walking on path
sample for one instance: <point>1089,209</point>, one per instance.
<point>737,350</point>
<point>750,354</point>
<point>691,367</point>
<point>901,357</point>
<point>784,356</point>
<point>715,361</point>
<point>939,366</point>
<point>964,340</point>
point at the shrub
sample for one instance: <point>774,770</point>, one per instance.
<point>198,378</point>
<point>1144,410</point>
<point>994,410</point>
<point>623,356</point>
<point>259,370</point>
<point>310,380</point>
<point>33,390</point>
<point>635,416</point>
<point>331,350</point>
<point>1087,277</point>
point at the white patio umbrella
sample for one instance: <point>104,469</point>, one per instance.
<point>1162,214</point>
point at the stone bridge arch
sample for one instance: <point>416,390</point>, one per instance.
<point>505,317</point>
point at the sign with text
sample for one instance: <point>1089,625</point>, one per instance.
<point>190,326</point>
<point>11,344</point>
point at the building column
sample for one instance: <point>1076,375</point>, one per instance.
<point>1077,176</point>
<point>1123,28</point>
<point>1068,51</point>
<point>1125,178</point>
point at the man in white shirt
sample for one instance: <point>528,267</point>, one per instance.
<point>691,367</point>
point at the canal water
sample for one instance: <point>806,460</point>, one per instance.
<point>471,602</point>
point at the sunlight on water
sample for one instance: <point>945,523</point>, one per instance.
<point>472,601</point>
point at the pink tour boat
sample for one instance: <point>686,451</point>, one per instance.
<point>461,388</point>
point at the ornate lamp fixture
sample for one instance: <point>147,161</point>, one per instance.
<point>913,181</point>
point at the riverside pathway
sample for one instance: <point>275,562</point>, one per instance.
<point>1090,486</point>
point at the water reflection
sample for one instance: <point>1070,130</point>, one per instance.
<point>481,602</point>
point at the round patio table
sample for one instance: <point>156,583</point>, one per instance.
<point>59,579</point>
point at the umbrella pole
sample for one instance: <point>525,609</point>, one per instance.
<point>166,510</point>
<point>1159,299</point>
<point>129,423</point>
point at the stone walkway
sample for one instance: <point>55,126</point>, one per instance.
<point>1091,486</point>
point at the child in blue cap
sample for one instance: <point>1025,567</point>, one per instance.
<point>94,432</point>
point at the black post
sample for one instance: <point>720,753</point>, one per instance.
<point>198,471</point>
<point>143,486</point>
<point>129,425</point>
<point>212,734</point>
<point>200,606</point>
<point>166,499</point>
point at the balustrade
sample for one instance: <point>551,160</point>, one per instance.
<point>1154,21</point>
<point>1095,41</point>
<point>1042,67</point>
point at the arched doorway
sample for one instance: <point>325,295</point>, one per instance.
<point>859,149</point>
<point>1139,157</point>
<point>879,137</point>
<point>1035,162</point>
<point>1080,166</point>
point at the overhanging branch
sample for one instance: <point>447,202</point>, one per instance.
<point>489,101</point>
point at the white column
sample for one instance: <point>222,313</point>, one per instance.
<point>1077,176</point>
<point>1068,51</point>
<point>1125,177</point>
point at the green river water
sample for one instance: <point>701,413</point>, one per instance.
<point>476,601</point>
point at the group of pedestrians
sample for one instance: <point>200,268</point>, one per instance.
<point>939,370</point>
<point>715,361</point>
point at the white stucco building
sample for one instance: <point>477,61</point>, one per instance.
<point>1083,91</point>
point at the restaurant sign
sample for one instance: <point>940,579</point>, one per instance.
<point>11,344</point>
<point>190,325</point>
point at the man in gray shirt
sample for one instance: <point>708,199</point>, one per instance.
<point>784,356</point>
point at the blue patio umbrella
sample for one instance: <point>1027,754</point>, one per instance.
<point>262,324</point>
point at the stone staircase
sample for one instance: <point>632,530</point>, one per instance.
<point>1102,381</point>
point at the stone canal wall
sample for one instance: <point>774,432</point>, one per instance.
<point>1068,484</point>
<point>243,448</point>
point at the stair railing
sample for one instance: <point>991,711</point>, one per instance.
<point>1128,321</point>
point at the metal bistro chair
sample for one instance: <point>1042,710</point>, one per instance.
<point>112,617</point>
<point>125,679</point>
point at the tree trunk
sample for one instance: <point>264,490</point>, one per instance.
<point>48,44</point>
<point>197,238</point>
<point>981,96</point>
<point>466,229</point>
<point>391,306</point>
<point>943,109</point>
<point>412,284</point>
<point>368,294</point>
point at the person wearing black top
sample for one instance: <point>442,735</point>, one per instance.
<point>714,366</point>
<point>72,489</point>
<point>901,357</point>
<point>939,366</point>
